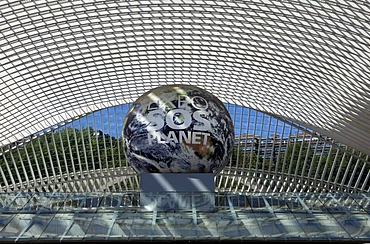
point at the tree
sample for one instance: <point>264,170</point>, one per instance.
<point>65,151</point>
<point>338,164</point>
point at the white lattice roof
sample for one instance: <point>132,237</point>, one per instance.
<point>307,61</point>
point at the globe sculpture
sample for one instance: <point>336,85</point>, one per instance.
<point>178,129</point>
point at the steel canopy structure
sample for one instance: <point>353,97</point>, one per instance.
<point>294,75</point>
<point>307,62</point>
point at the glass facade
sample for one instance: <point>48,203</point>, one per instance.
<point>237,217</point>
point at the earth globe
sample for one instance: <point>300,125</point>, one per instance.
<point>178,129</point>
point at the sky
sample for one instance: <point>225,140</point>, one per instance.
<point>110,121</point>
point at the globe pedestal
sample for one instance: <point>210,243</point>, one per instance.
<point>171,191</point>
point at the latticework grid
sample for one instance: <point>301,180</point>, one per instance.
<point>302,65</point>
